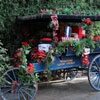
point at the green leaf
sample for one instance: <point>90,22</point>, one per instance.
<point>27,52</point>
<point>37,77</point>
<point>78,7</point>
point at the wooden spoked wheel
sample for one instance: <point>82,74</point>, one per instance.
<point>94,73</point>
<point>18,84</point>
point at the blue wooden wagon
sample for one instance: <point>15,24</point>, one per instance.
<point>13,88</point>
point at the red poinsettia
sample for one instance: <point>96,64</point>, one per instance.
<point>19,53</point>
<point>90,23</point>
<point>43,11</point>
<point>25,44</point>
<point>16,56</point>
<point>30,68</point>
<point>18,64</point>
<point>87,20</point>
<point>53,12</point>
<point>22,62</point>
<point>30,40</point>
<point>40,55</point>
<point>21,58</point>
<point>82,23</point>
<point>36,49</point>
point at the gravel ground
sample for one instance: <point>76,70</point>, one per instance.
<point>77,89</point>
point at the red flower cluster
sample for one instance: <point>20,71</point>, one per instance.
<point>30,40</point>
<point>36,49</point>
<point>82,23</point>
<point>43,11</point>
<point>18,58</point>
<point>30,68</point>
<point>87,21</point>
<point>15,55</point>
<point>96,38</point>
<point>90,23</point>
<point>18,54</point>
<point>18,64</point>
<point>85,60</point>
<point>39,55</point>
<point>25,44</point>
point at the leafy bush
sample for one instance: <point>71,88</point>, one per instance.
<point>4,59</point>
<point>9,9</point>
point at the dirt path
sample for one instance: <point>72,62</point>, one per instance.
<point>77,89</point>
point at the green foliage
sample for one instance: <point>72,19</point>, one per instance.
<point>25,76</point>
<point>77,46</point>
<point>96,31</point>
<point>9,9</point>
<point>4,59</point>
<point>37,77</point>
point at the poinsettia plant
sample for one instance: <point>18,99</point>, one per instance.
<point>43,57</point>
<point>30,68</point>
<point>20,56</point>
<point>39,56</point>
<point>21,61</point>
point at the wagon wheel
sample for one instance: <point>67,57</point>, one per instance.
<point>94,73</point>
<point>70,74</point>
<point>17,84</point>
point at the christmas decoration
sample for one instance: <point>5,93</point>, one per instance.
<point>45,44</point>
<point>85,59</point>
<point>69,38</point>
<point>54,25</point>
<point>30,67</point>
<point>55,22</point>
